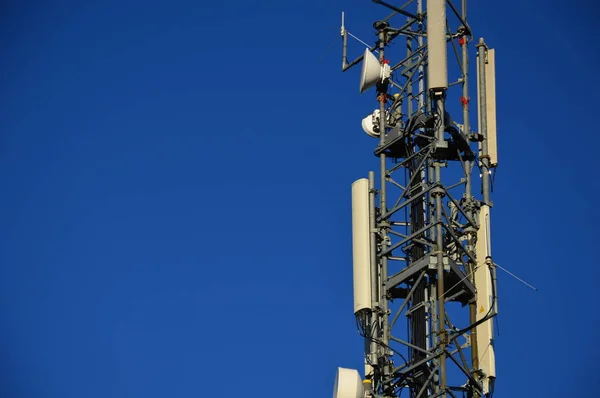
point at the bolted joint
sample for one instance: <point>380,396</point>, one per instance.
<point>469,230</point>
<point>381,26</point>
<point>478,373</point>
<point>467,341</point>
<point>443,335</point>
<point>463,31</point>
<point>438,191</point>
<point>386,240</point>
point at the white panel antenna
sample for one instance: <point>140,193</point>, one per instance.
<point>485,301</point>
<point>361,245</point>
<point>490,106</point>
<point>490,94</point>
<point>437,66</point>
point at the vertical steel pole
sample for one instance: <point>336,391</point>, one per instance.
<point>465,94</point>
<point>344,34</point>
<point>383,209</point>
<point>468,191</point>
<point>441,321</point>
<point>374,323</point>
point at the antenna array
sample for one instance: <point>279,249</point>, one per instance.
<point>421,235</point>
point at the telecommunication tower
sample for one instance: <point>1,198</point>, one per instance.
<point>425,291</point>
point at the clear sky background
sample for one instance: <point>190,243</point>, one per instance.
<point>175,207</point>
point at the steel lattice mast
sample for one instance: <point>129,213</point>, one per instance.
<point>421,238</point>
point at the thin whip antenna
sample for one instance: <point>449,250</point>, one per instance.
<point>516,277</point>
<point>343,30</point>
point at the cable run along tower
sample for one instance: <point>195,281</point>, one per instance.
<point>425,293</point>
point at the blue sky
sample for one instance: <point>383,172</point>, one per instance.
<point>176,213</point>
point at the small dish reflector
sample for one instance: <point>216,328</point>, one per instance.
<point>372,71</point>
<point>370,122</point>
<point>348,384</point>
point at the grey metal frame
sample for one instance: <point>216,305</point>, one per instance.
<point>425,257</point>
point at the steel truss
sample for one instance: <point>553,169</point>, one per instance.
<point>423,226</point>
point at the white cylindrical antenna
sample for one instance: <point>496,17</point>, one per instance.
<point>490,94</point>
<point>361,247</point>
<point>485,300</point>
<point>437,67</point>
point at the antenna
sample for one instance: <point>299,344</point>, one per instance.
<point>348,384</point>
<point>422,236</point>
<point>372,72</point>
